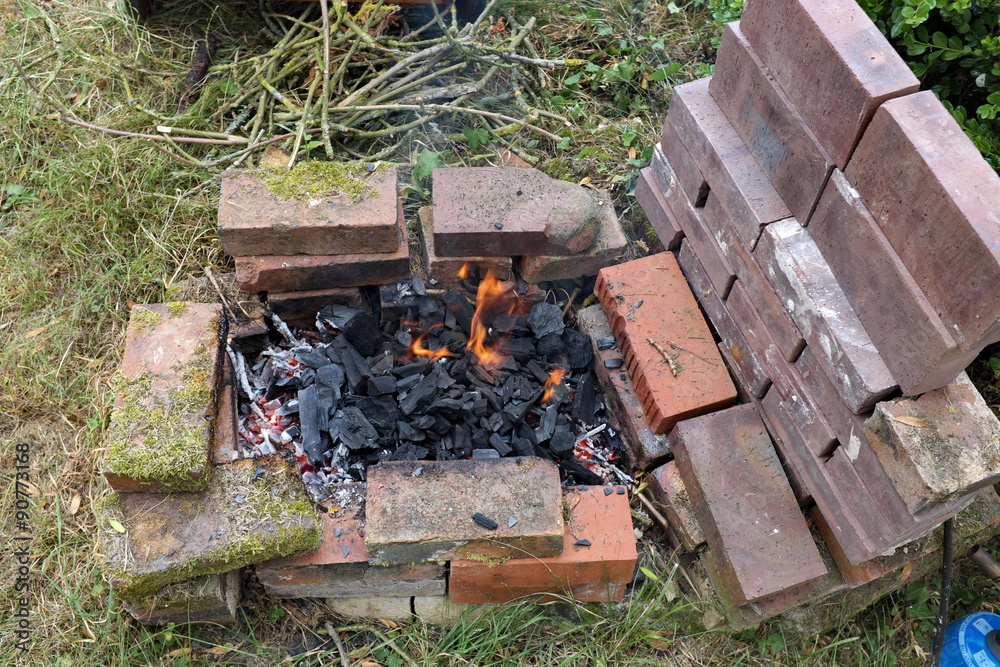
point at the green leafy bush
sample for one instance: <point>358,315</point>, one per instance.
<point>954,48</point>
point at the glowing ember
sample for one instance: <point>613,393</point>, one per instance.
<point>419,349</point>
<point>553,381</point>
<point>493,298</point>
<point>463,273</point>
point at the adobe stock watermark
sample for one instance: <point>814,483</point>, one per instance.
<point>21,619</point>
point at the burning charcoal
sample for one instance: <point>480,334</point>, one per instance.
<point>520,349</point>
<point>381,411</point>
<point>381,384</point>
<point>479,374</point>
<point>499,444</point>
<point>311,421</point>
<point>362,331</point>
<point>459,308</point>
<point>582,543</point>
<point>329,379</point>
<point>354,365</point>
<point>539,373</point>
<point>577,473</point>
<point>336,316</point>
<point>356,431</point>
<point>516,412</point>
<point>293,431</point>
<point>382,363</point>
<point>614,363</point>
<point>291,383</point>
<point>484,521</point>
<point>307,377</point>
<point>313,359</point>
<point>585,400</point>
<point>545,318</point>
<point>408,432</point>
<point>606,343</point>
<point>481,454</point>
<point>291,407</point>
<point>417,368</point>
<point>562,443</point>
<point>418,285</point>
<point>410,452</point>
<point>577,348</point>
<point>421,395</point>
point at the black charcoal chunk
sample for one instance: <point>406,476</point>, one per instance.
<point>482,454</point>
<point>500,445</point>
<point>606,343</point>
<point>608,490</point>
<point>309,419</point>
<point>585,399</point>
<point>521,349</point>
<point>562,443</point>
<point>582,543</point>
<point>336,316</point>
<point>381,384</point>
<point>408,432</point>
<point>536,370</point>
<point>410,452</point>
<point>614,363</point>
<point>418,285</point>
<point>484,521</point>
<point>523,447</point>
<point>363,333</point>
<point>313,359</point>
<point>459,308</point>
<point>448,407</point>
<point>545,318</point>
<point>577,473</point>
<point>620,490</point>
<point>407,383</point>
<point>525,432</point>
<point>577,349</point>
<point>356,432</point>
<point>422,395</point>
<point>550,346</point>
<point>381,411</point>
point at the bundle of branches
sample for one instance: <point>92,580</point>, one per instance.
<point>351,83</point>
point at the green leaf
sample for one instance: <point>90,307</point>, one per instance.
<point>586,151</point>
<point>628,136</point>
<point>563,143</point>
<point>664,71</point>
<point>940,40</point>
<point>994,98</point>
<point>229,87</point>
<point>427,161</point>
<point>649,574</point>
<point>477,137</point>
<point>117,525</point>
<point>988,111</point>
<point>572,80</point>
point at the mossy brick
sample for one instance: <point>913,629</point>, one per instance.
<point>300,307</point>
<point>656,320</point>
<point>595,572</point>
<point>805,283</point>
<point>668,488</point>
<point>209,599</point>
<point>831,61</point>
<point>751,372</point>
<point>339,568</point>
<point>608,248</point>
<point>938,203</point>
<point>510,211</point>
<point>287,273</point>
<point>160,438</point>
<point>447,269</point>
<point>773,312</point>
<point>917,347</point>
<point>647,193</point>
<point>427,516</point>
<point>731,171</point>
<point>786,149</point>
<point>253,220</point>
<point>245,516</point>
<point>643,449</point>
<point>744,504</point>
<point>940,446</point>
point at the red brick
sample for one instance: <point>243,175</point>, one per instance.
<point>775,133</point>
<point>772,311</point>
<point>806,284</point>
<point>595,573</point>
<point>339,568</point>
<point>608,248</point>
<point>726,163</point>
<point>211,599</point>
<point>287,273</point>
<point>446,269</point>
<point>160,438</point>
<point>831,61</point>
<point>643,449</point>
<point>428,517</point>
<point>253,221</point>
<point>509,159</point>
<point>939,447</point>
<point>225,446</point>
<point>744,504</point>
<point>919,351</point>
<point>301,307</point>
<point>669,316</point>
<point>684,166</point>
<point>875,568</point>
<point>751,370</point>
<point>938,203</point>
<point>668,488</point>
<point>648,194</point>
<point>478,211</point>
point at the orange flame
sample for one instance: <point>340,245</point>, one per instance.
<point>419,349</point>
<point>553,381</point>
<point>463,273</point>
<point>492,298</point>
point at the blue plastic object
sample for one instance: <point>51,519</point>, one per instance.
<point>972,641</point>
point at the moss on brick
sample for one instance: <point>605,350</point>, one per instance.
<point>177,307</point>
<point>144,317</point>
<point>308,180</point>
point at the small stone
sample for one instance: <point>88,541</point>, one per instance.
<point>581,543</point>
<point>620,490</point>
<point>637,304</point>
<point>337,532</point>
<point>346,551</point>
<point>484,521</point>
<point>498,225</point>
<point>418,471</point>
<point>511,522</point>
<point>608,490</point>
<point>614,363</point>
<point>606,343</point>
<point>239,500</point>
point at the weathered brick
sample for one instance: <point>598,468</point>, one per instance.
<point>644,450</point>
<point>395,609</point>
<point>287,273</point>
<point>875,568</point>
<point>301,307</point>
<point>775,133</point>
<point>160,438</point>
<point>751,369</point>
<point>235,522</point>
<point>479,211</point>
<point>744,504</point>
<point>339,568</point>
<point>598,572</point>
<point>938,203</point>
<point>805,283</point>
<point>439,610</point>
<point>915,345</point>
<point>429,517</point>
<point>648,194</point>
<point>209,599</point>
<point>772,311</point>
<point>226,424</point>
<point>726,163</point>
<point>253,221</point>
<point>668,488</point>
<point>608,248</point>
<point>647,300</point>
<point>943,445</point>
<point>831,61</point>
<point>446,269</point>
<point>684,166</point>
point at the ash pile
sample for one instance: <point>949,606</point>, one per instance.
<point>451,378</point>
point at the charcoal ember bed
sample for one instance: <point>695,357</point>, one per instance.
<point>454,377</point>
